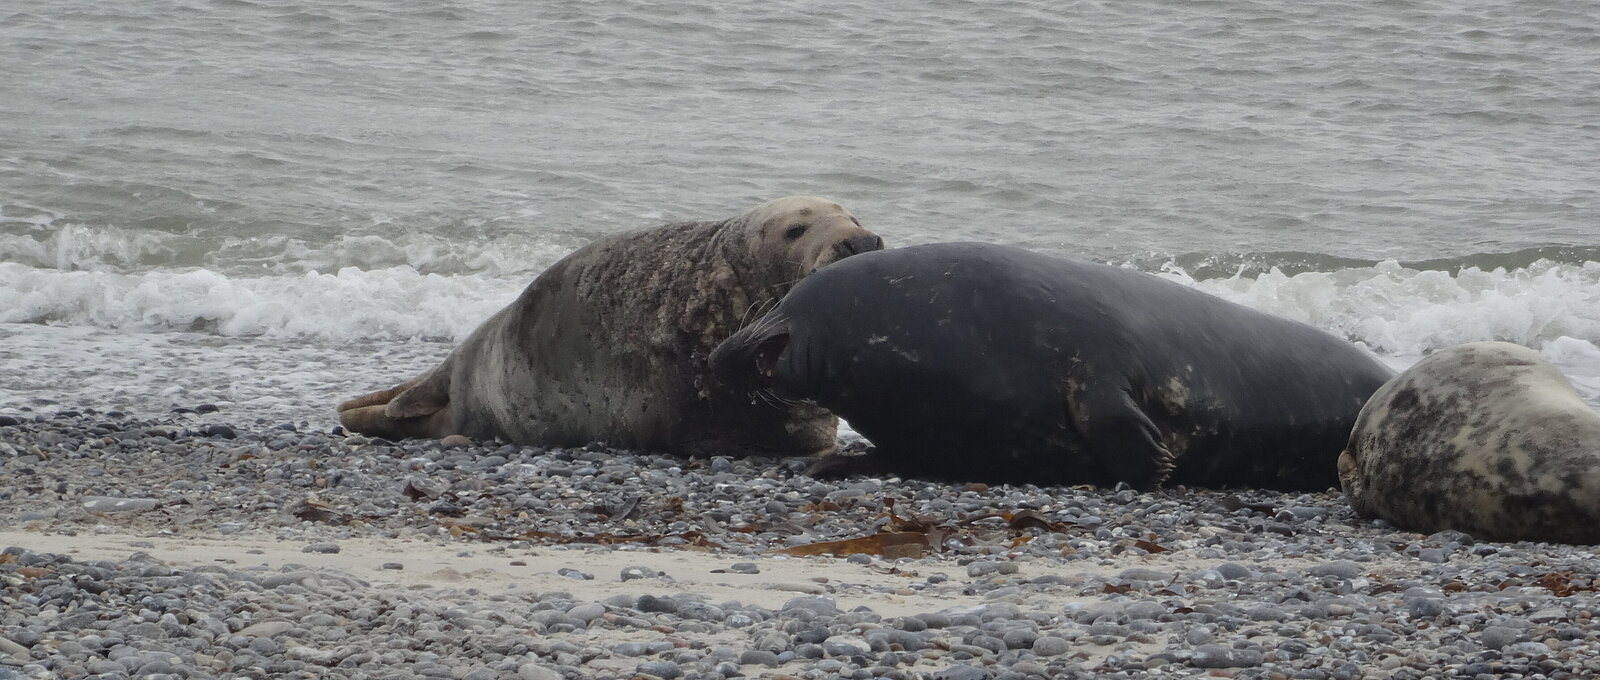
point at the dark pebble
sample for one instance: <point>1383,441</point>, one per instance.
<point>963,673</point>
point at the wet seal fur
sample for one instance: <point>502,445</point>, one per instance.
<point>1485,438</point>
<point>609,344</point>
<point>977,362</point>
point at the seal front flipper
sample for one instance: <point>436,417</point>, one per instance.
<point>1117,433</point>
<point>839,466</point>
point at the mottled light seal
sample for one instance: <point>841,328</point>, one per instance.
<point>977,362</point>
<point>1485,438</point>
<point>609,344</point>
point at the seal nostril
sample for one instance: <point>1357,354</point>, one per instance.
<point>858,244</point>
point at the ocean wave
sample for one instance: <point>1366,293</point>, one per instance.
<point>1393,309</point>
<point>475,248</point>
<point>1399,310</point>
<point>391,303</point>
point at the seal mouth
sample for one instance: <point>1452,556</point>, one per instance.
<point>767,354</point>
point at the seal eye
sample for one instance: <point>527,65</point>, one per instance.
<point>796,231</point>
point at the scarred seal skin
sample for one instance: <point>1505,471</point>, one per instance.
<point>1485,438</point>
<point>609,344</point>
<point>969,361</point>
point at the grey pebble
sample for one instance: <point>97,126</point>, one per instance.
<point>1051,645</point>
<point>986,568</point>
<point>1337,568</point>
<point>533,671</point>
<point>637,572</point>
<point>322,548</point>
<point>587,612</point>
<point>1497,637</point>
<point>115,505</point>
<point>759,657</point>
<point>962,673</point>
<point>1216,656</point>
<point>845,646</point>
<point>1234,572</point>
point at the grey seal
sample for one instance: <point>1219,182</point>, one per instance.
<point>609,343</point>
<point>978,362</point>
<point>1485,438</point>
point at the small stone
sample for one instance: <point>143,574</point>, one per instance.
<point>637,572</point>
<point>820,605</point>
<point>587,612</point>
<point>962,673</point>
<point>1425,607</point>
<point>661,669</point>
<point>321,548</point>
<point>652,604</point>
<point>1234,572</point>
<point>533,671</point>
<point>267,629</point>
<point>1529,649</point>
<point>1497,637</point>
<point>396,566</point>
<point>759,657</point>
<point>845,646</point>
<point>744,568</point>
<point>1143,574</point>
<point>109,505</point>
<point>15,650</point>
<point>1217,656</point>
<point>1145,610</point>
<point>1050,645</point>
<point>1338,568</point>
<point>986,568</point>
<point>574,574</point>
<point>454,441</point>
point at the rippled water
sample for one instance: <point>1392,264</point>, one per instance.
<point>231,183</point>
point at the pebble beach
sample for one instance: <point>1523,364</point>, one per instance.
<point>198,544</point>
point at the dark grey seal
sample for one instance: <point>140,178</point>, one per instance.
<point>1485,438</point>
<point>609,343</point>
<point>968,361</point>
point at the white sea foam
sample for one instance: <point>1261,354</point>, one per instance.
<point>290,346</point>
<point>1406,312</point>
<point>391,303</point>
<point>1393,310</point>
<point>51,244</point>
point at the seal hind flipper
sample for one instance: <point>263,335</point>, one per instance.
<point>419,407</point>
<point>424,395</point>
<point>1119,434</point>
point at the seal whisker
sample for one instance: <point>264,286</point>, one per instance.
<point>757,310</point>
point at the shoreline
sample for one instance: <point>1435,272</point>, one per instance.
<point>265,523</point>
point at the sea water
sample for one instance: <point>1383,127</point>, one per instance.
<point>272,205</point>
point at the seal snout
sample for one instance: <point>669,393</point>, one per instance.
<point>856,245</point>
<point>750,359</point>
